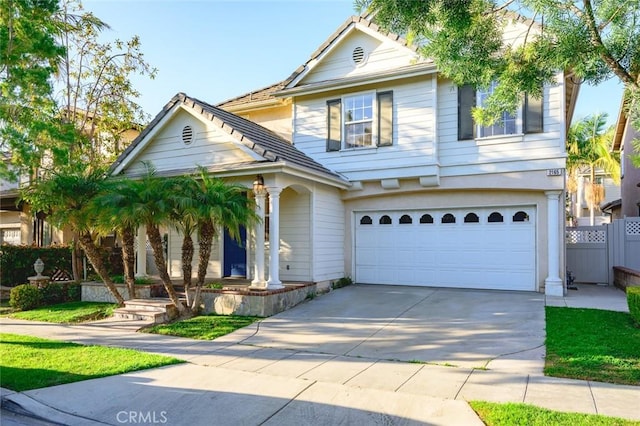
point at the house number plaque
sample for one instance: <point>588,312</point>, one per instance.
<point>554,172</point>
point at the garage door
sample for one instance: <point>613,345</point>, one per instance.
<point>484,248</point>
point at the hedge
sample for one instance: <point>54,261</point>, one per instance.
<point>633,300</point>
<point>16,262</point>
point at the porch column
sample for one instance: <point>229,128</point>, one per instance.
<point>553,283</point>
<point>258,270</point>
<point>274,282</point>
<point>141,252</point>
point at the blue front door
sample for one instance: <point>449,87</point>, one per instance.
<point>235,255</point>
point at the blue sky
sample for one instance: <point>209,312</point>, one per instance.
<point>215,50</point>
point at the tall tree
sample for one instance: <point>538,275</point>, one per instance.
<point>588,146</point>
<point>30,53</point>
<point>66,196</point>
<point>593,40</point>
<point>95,93</point>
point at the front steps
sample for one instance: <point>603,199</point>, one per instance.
<point>154,311</point>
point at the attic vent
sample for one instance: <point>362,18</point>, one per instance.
<point>358,55</point>
<point>187,135</point>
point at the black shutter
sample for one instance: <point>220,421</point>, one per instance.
<point>466,101</point>
<point>532,117</point>
<point>385,118</point>
<point>334,125</point>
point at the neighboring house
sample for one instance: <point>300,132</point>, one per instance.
<point>628,203</point>
<point>373,169</point>
<point>581,214</point>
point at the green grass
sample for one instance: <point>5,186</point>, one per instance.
<point>205,327</point>
<point>510,414</point>
<point>592,344</point>
<point>31,363</point>
<point>71,312</point>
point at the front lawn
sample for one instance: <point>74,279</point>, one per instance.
<point>205,327</point>
<point>592,344</point>
<point>31,363</point>
<point>509,414</point>
<point>71,312</point>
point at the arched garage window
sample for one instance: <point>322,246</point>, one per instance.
<point>385,220</point>
<point>426,218</point>
<point>495,217</point>
<point>405,219</point>
<point>471,218</point>
<point>448,218</point>
<point>521,217</point>
<point>366,220</point>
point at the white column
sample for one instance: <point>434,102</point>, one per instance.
<point>258,270</point>
<point>553,284</point>
<point>141,252</point>
<point>274,282</point>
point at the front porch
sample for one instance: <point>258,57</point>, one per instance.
<point>235,297</point>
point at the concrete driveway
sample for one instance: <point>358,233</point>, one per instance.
<point>463,328</point>
<point>334,360</point>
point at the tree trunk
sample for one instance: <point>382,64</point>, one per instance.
<point>128,260</point>
<point>187,269</point>
<point>93,254</point>
<point>207,232</point>
<point>153,232</point>
<point>592,208</point>
<point>75,270</point>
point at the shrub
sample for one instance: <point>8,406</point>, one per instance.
<point>342,282</point>
<point>74,292</point>
<point>214,286</point>
<point>25,297</point>
<point>633,300</point>
<point>16,262</point>
<point>53,293</point>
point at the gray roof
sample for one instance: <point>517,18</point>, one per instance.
<point>266,143</point>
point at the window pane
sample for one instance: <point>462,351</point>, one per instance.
<point>506,125</point>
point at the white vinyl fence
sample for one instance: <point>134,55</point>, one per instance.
<point>593,251</point>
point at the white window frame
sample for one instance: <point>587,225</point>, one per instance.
<point>373,120</point>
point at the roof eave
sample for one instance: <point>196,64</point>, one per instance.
<point>308,89</point>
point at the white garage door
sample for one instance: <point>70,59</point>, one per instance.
<point>484,248</point>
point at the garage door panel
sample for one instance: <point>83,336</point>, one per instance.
<point>491,255</point>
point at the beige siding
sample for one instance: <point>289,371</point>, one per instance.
<point>380,55</point>
<point>328,235</point>
<point>295,236</point>
<point>413,134</point>
<point>277,119</point>
<point>500,153</point>
<point>210,146</point>
<point>175,257</point>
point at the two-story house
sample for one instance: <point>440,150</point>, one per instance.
<point>366,163</point>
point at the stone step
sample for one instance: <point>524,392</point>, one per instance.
<point>152,305</point>
<point>140,315</point>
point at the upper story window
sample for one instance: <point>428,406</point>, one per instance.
<point>528,120</point>
<point>360,121</point>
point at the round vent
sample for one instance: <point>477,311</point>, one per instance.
<point>358,55</point>
<point>187,135</point>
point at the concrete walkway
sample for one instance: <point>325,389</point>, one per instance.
<point>328,362</point>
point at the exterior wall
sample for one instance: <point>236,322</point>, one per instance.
<point>276,119</point>
<point>295,235</point>
<point>10,224</point>
<point>175,256</point>
<point>381,54</point>
<point>329,228</point>
<point>499,154</point>
<point>631,176</point>
<point>413,132</point>
<point>210,146</point>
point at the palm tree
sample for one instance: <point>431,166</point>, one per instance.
<point>222,204</point>
<point>65,196</point>
<point>588,145</point>
<point>115,211</point>
<point>152,199</point>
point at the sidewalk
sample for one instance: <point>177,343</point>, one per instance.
<point>232,381</point>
